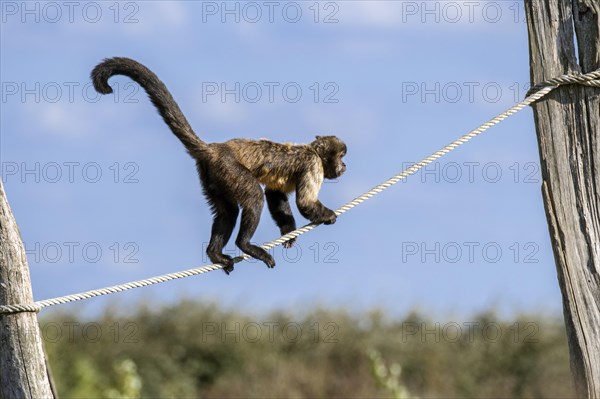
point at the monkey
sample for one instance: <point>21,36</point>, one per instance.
<point>233,172</point>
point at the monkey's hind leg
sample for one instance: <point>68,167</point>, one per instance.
<point>225,212</point>
<point>225,216</point>
<point>251,199</point>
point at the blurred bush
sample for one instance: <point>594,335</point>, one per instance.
<point>196,350</point>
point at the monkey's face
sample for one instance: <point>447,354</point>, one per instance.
<point>331,150</point>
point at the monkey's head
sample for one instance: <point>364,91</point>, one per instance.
<point>331,150</point>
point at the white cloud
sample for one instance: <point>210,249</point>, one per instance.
<point>217,111</point>
<point>430,15</point>
<point>378,14</point>
<point>66,120</point>
<point>171,14</point>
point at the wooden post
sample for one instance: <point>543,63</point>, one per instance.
<point>23,371</point>
<point>568,129</point>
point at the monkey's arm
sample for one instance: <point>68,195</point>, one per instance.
<point>307,192</point>
<point>280,210</point>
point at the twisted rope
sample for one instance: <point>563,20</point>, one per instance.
<point>534,94</point>
<point>591,79</point>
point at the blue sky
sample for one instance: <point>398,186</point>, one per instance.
<point>104,193</point>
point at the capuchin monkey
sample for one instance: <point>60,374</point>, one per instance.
<point>232,172</point>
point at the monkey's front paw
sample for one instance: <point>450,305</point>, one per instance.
<point>288,229</point>
<point>228,269</point>
<point>290,243</point>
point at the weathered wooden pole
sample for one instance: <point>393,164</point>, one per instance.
<point>568,128</point>
<point>23,372</point>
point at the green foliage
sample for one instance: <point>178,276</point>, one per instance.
<point>129,383</point>
<point>196,350</point>
<point>388,377</point>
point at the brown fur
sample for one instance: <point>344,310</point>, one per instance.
<point>232,172</point>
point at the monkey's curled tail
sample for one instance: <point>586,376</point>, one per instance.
<point>157,91</point>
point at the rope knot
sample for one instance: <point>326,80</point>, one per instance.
<point>19,308</point>
<point>591,79</point>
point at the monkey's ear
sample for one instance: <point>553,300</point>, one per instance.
<point>318,137</point>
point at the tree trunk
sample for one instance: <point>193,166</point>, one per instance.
<point>568,128</point>
<point>23,372</point>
